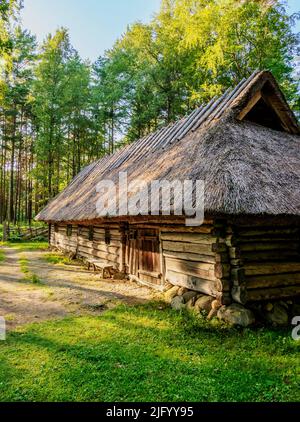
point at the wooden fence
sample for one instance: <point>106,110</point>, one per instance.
<point>24,233</point>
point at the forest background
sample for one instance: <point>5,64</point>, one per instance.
<point>59,112</point>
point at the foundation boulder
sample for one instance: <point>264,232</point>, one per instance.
<point>177,303</point>
<point>204,303</point>
<point>278,315</point>
<point>171,293</point>
<point>187,296</point>
<point>236,314</point>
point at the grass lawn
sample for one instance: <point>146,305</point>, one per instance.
<point>55,258</point>
<point>142,353</point>
<point>27,246</point>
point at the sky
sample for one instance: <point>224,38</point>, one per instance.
<point>94,25</point>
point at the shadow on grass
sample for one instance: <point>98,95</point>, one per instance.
<point>139,353</point>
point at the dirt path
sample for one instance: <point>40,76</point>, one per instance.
<point>63,290</point>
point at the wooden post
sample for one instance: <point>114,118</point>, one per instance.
<point>162,261</point>
<point>122,261</point>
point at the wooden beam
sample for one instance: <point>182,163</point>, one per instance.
<point>272,101</point>
<point>254,100</point>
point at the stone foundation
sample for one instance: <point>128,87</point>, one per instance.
<point>274,313</point>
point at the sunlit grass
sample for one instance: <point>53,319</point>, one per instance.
<point>28,275</point>
<point>27,246</point>
<point>53,258</point>
<point>142,353</point>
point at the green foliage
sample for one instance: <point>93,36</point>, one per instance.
<point>60,113</point>
<point>144,354</point>
<point>7,10</point>
<point>193,50</point>
<point>2,255</point>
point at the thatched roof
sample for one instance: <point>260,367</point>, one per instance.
<point>244,145</point>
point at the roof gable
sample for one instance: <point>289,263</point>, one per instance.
<point>203,146</point>
<point>263,102</point>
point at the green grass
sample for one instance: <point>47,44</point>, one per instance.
<point>24,262</point>
<point>27,246</point>
<point>2,256</point>
<point>145,354</point>
<point>53,258</point>
<point>29,276</point>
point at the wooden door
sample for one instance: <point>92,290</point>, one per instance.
<point>143,256</point>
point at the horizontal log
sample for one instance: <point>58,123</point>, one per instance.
<point>84,242</point>
<point>273,293</point>
<point>161,220</point>
<point>65,243</point>
<point>198,284</point>
<point>188,247</point>
<point>101,239</point>
<point>250,232</point>
<point>272,268</point>
<point>269,246</point>
<point>261,281</point>
<point>197,269</point>
<point>107,256</point>
<point>261,256</point>
<point>105,260</point>
<point>106,248</point>
<point>68,248</point>
<point>275,239</point>
<point>189,238</point>
<point>102,231</point>
<point>205,229</point>
<point>190,256</point>
<point>94,252</point>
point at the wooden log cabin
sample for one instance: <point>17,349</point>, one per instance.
<point>245,146</point>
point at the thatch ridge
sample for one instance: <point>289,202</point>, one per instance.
<point>248,169</point>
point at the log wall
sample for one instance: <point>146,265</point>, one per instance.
<point>230,262</point>
<point>265,262</point>
<point>198,260</point>
<point>79,243</point>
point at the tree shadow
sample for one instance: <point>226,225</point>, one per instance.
<point>123,359</point>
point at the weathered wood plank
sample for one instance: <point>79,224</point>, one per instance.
<point>261,256</point>
<point>273,293</point>
<point>284,245</point>
<point>261,281</point>
<point>188,247</point>
<point>271,268</point>
<point>190,256</point>
<point>189,238</point>
<point>192,268</point>
<point>194,283</point>
<point>263,232</point>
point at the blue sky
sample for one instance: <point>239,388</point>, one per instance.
<point>94,24</point>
